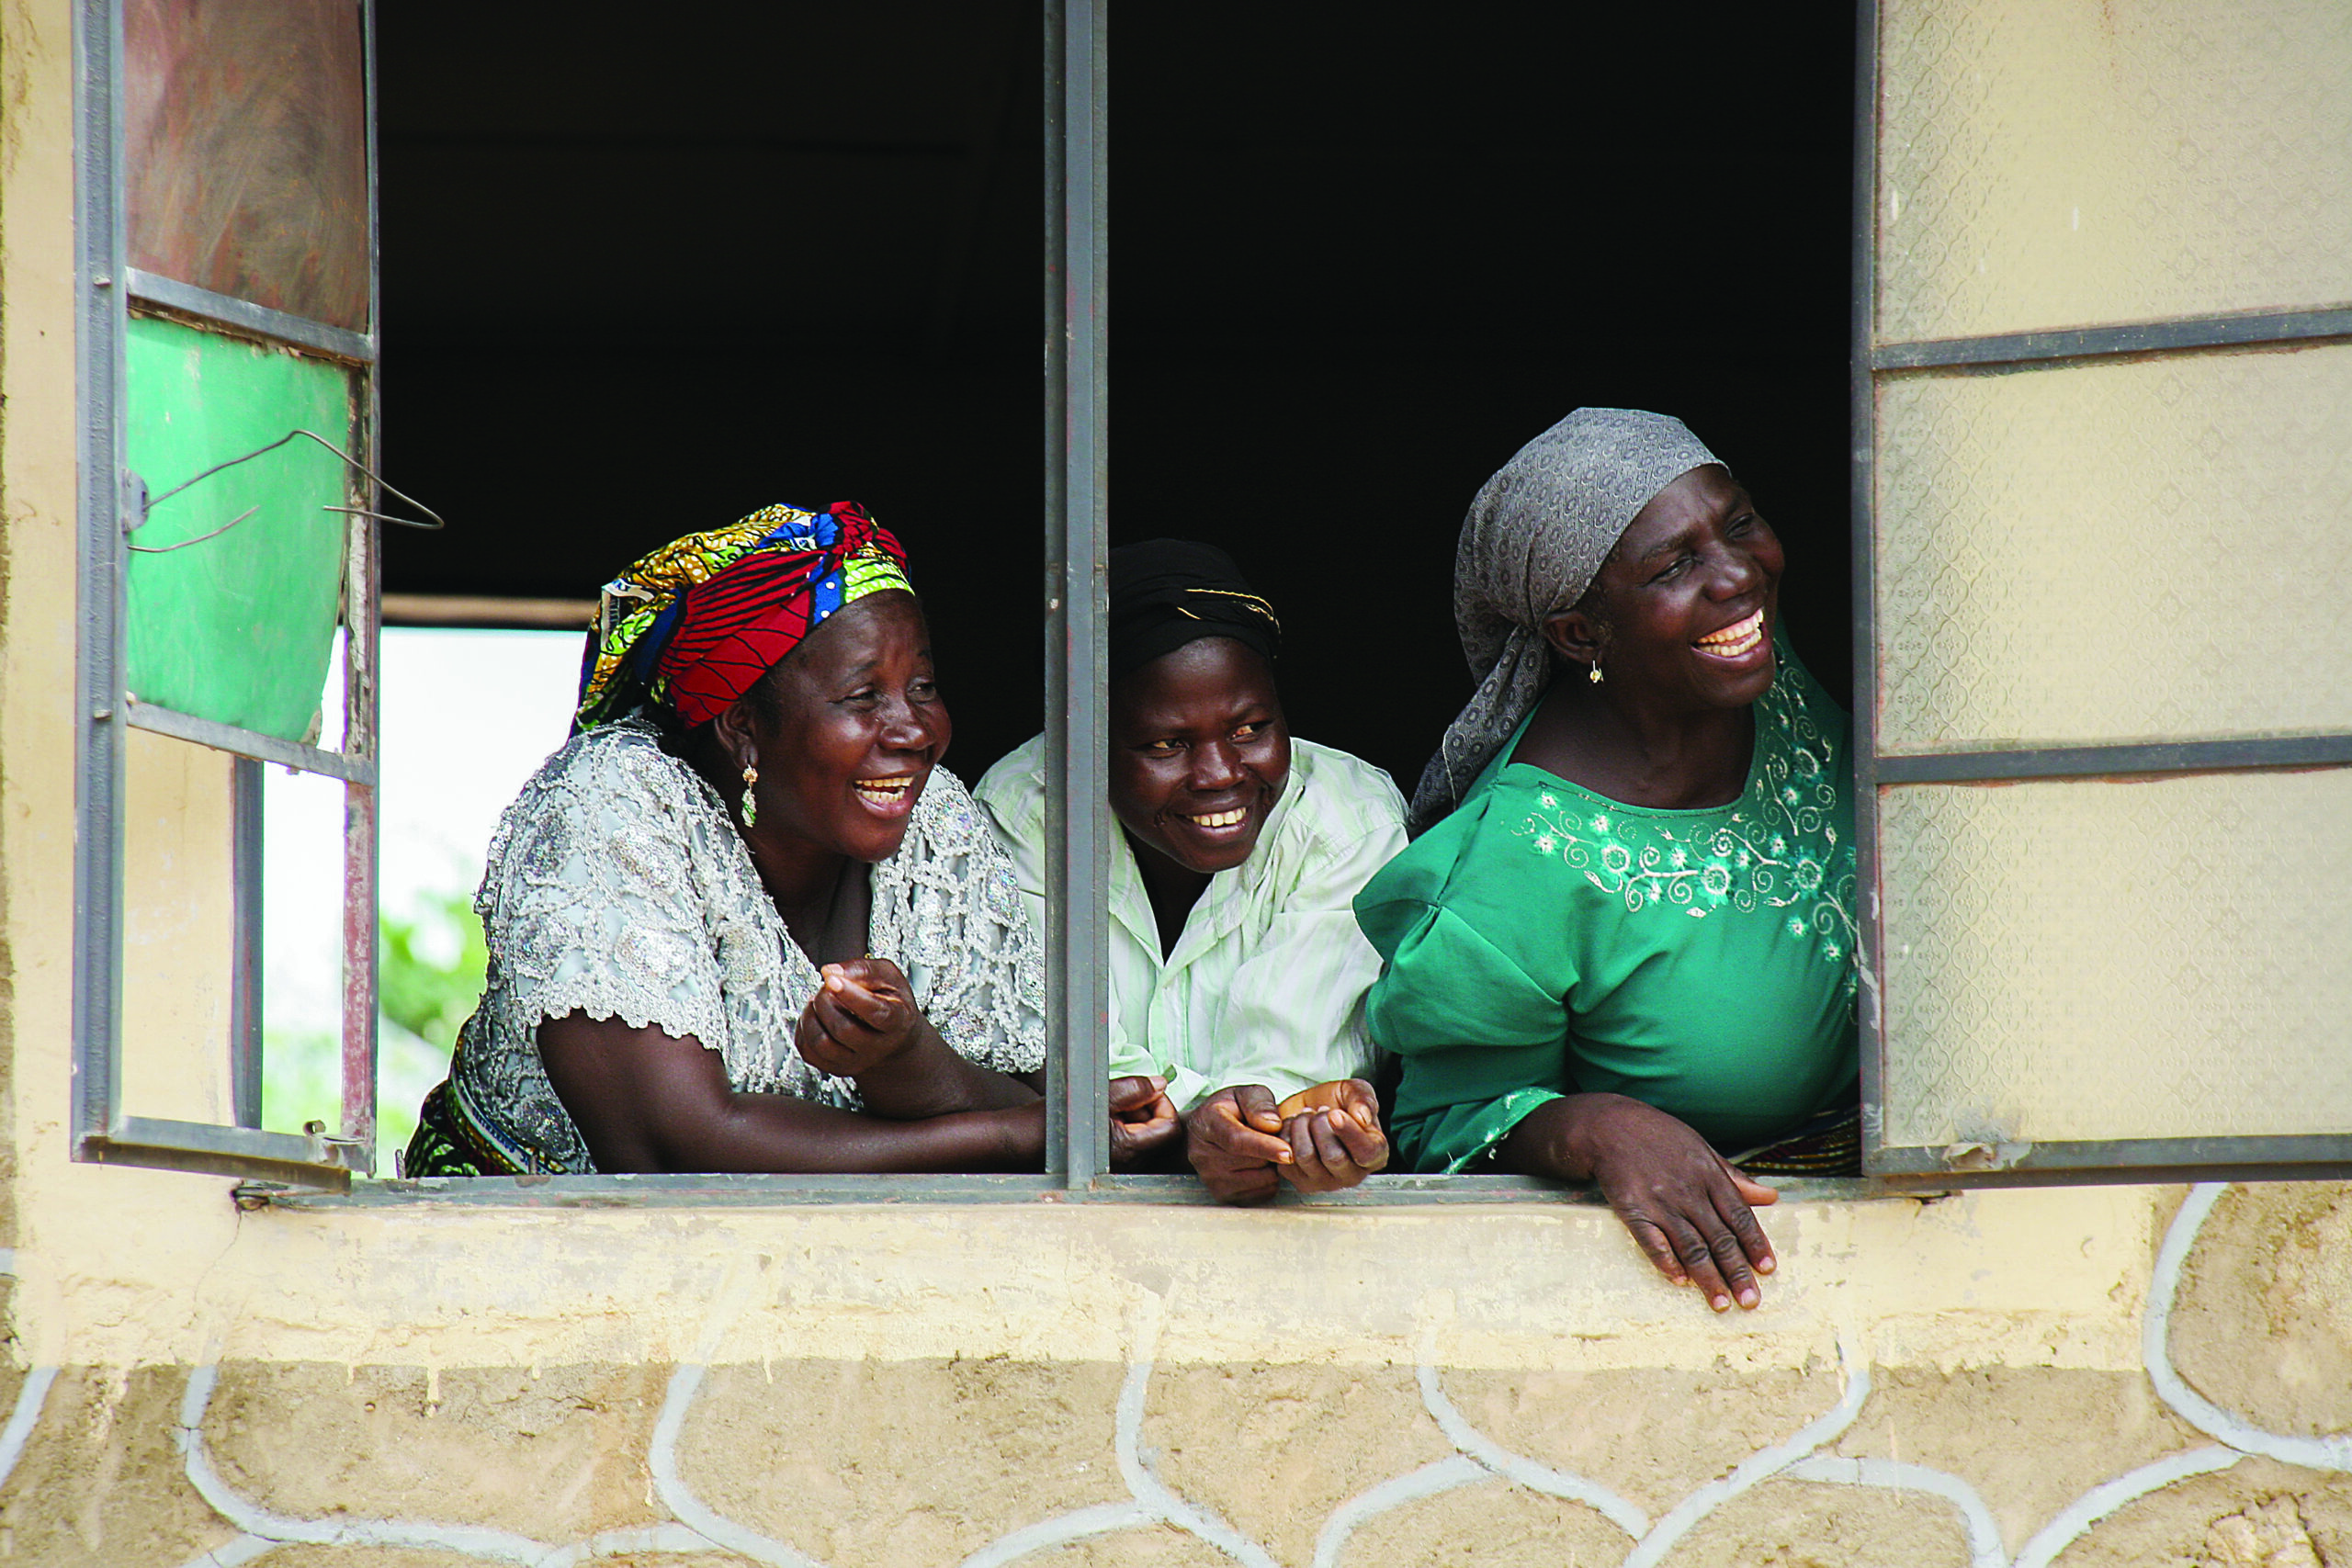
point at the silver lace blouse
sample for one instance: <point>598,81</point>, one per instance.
<point>618,886</point>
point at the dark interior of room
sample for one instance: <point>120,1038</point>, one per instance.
<point>639,282</point>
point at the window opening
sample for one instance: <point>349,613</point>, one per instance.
<point>1323,352</point>
<point>911,171</point>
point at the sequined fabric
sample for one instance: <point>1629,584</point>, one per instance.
<point>616,887</point>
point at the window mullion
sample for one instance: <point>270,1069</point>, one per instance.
<point>98,719</point>
<point>1863,480</point>
<point>362,612</point>
<point>1076,805</point>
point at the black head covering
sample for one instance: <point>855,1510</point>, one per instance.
<point>1167,592</point>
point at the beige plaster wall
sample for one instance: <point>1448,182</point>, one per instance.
<point>2069,1377</point>
<point>2072,1376</point>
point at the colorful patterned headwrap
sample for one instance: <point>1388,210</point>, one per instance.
<point>698,622</point>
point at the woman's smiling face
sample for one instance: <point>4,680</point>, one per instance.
<point>1199,753</point>
<point>847,729</point>
<point>1683,610</point>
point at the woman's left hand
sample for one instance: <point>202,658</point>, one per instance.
<point>1687,1207</point>
<point>862,1017</point>
<point>1143,1120</point>
<point>1335,1144</point>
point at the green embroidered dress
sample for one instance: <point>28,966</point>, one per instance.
<point>1544,940</point>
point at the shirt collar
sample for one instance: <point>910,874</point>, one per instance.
<point>1222,903</point>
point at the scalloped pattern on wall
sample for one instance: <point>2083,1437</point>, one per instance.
<point>1171,1502</point>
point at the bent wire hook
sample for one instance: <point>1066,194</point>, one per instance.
<point>148,511</point>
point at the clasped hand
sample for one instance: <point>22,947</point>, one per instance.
<point>862,1015</point>
<point>1142,1120</point>
<point>864,1019</point>
<point>1241,1144</point>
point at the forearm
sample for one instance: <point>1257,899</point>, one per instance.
<point>778,1134</point>
<point>1555,1139</point>
<point>930,1079</point>
<point>647,1101</point>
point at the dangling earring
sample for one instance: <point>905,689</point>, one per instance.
<point>1593,674</point>
<point>751,805</point>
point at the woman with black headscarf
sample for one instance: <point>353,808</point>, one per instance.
<point>1622,949</point>
<point>1237,968</point>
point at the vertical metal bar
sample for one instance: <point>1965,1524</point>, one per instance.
<point>245,827</point>
<point>375,325</point>
<point>1078,816</point>
<point>1869,915</point>
<point>98,723</point>
<point>1055,936</point>
<point>375,230</point>
<point>359,969</point>
<point>361,610</point>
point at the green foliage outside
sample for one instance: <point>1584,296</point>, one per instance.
<point>429,972</point>
<point>430,969</point>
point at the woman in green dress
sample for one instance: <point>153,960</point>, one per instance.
<point>1622,949</point>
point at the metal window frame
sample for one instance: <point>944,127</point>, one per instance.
<point>1873,363</point>
<point>106,288</point>
<point>1078,812</point>
<point>1384,1191</point>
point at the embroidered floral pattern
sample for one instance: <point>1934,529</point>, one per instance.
<point>1777,849</point>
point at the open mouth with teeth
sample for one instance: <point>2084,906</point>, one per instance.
<point>1212,841</point>
<point>1735,641</point>
<point>888,794</point>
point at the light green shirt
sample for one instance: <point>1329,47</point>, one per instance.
<point>1266,983</point>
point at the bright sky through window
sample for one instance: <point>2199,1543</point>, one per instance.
<point>466,717</point>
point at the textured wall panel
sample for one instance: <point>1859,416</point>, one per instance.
<point>2115,552</point>
<point>2093,959</point>
<point>2058,162</point>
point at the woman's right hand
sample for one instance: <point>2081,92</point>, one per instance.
<point>861,1015</point>
<point>862,1024</point>
<point>1690,1212</point>
<point>1234,1141</point>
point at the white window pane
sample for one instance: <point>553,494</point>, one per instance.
<point>177,938</point>
<point>2086,960</point>
<point>2117,552</point>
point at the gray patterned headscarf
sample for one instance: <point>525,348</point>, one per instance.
<point>1534,538</point>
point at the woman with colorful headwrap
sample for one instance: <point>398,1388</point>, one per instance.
<point>743,919</point>
<point>1236,970</point>
<point>1622,950</point>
